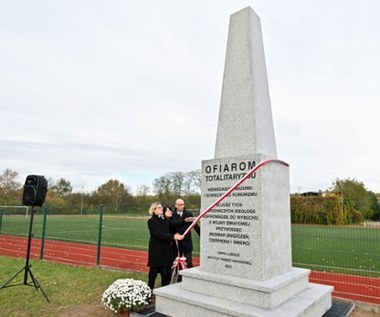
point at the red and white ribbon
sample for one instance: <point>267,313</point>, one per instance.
<point>178,264</point>
<point>228,192</point>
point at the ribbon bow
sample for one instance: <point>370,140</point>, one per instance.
<point>178,264</point>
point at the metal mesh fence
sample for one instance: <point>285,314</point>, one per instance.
<point>347,257</point>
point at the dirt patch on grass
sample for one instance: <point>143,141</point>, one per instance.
<point>366,310</point>
<point>360,312</point>
<point>88,310</point>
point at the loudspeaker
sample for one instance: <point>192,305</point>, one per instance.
<point>35,190</point>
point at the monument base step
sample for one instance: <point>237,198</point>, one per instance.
<point>263,294</point>
<point>339,308</point>
<point>175,301</point>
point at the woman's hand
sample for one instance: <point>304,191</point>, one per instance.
<point>178,236</point>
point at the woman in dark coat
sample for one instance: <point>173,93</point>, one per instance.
<point>167,212</point>
<point>160,254</point>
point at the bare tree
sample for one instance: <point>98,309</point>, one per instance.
<point>161,185</point>
<point>177,180</point>
<point>143,190</point>
<point>61,188</point>
<point>8,181</point>
<point>178,183</point>
<point>193,182</point>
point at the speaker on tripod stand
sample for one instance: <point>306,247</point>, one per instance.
<point>34,194</point>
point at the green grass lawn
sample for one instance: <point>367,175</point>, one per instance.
<point>354,250</point>
<point>67,287</point>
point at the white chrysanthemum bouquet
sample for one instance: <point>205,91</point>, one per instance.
<point>127,295</point>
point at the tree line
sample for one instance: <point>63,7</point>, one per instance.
<point>113,195</point>
<point>346,201</point>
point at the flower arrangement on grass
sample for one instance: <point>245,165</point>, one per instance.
<point>127,295</point>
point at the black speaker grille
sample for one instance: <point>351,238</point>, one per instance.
<point>30,195</point>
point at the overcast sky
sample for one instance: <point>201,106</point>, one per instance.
<point>92,90</point>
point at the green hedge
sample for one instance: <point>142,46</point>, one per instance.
<point>323,210</point>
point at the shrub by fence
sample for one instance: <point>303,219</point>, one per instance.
<point>323,210</point>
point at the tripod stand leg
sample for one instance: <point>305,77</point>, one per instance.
<point>26,268</point>
<point>36,284</point>
<point>11,279</point>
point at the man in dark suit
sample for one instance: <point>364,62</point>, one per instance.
<point>185,245</point>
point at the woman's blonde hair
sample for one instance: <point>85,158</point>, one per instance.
<point>153,207</point>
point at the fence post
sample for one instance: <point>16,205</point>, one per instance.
<point>45,211</point>
<point>99,234</point>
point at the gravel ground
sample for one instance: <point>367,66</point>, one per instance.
<point>364,310</point>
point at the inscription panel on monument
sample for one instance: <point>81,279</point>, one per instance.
<point>230,232</point>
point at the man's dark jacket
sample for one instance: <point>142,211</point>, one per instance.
<point>185,245</point>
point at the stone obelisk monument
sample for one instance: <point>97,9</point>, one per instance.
<point>246,265</point>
